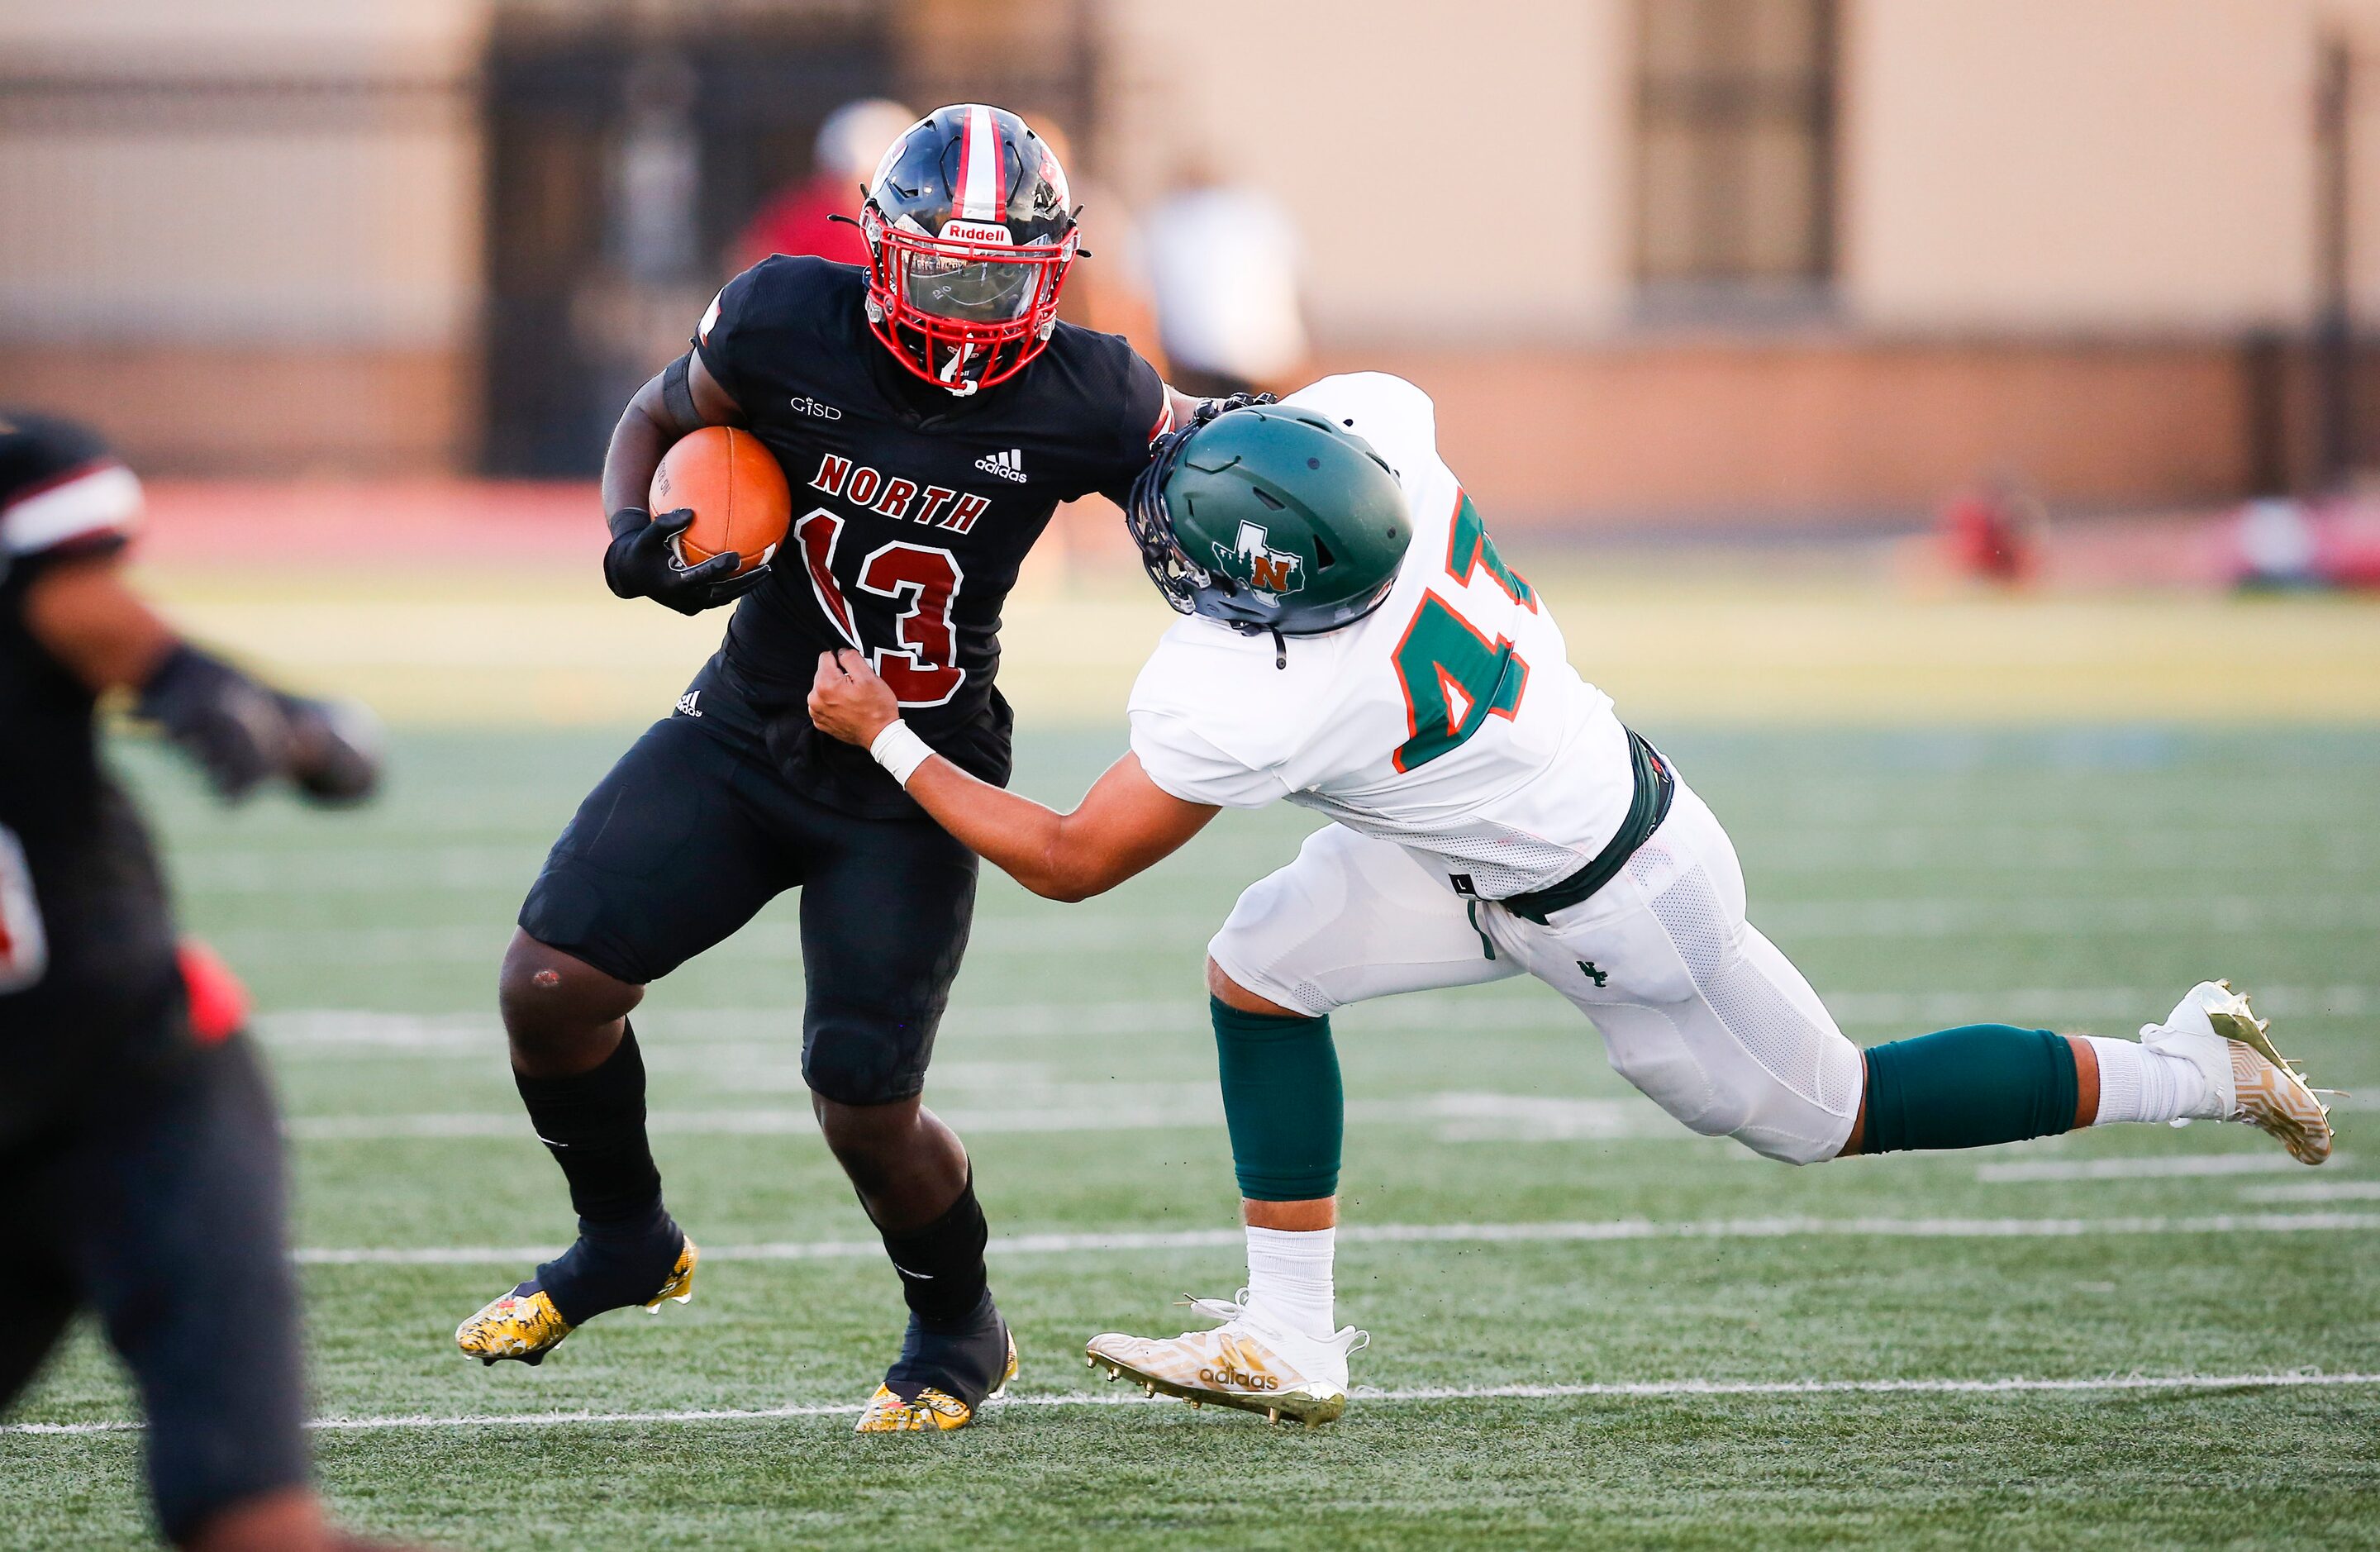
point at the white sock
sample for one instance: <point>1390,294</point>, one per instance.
<point>1289,1278</point>
<point>2138,1084</point>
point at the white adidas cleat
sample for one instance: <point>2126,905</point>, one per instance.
<point>2247,1078</point>
<point>1243,1362</point>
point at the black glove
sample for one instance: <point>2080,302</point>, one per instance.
<point>1209,408</point>
<point>334,749</point>
<point>233,726</point>
<point>641,563</point>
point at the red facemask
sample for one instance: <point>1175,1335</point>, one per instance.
<point>966,309</point>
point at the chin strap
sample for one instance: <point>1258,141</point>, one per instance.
<point>965,386</point>
<point>1279,651</point>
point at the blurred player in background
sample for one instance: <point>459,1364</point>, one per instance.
<point>1357,647</point>
<point>139,1154</point>
<point>1223,259</point>
<point>929,412</point>
<point>803,219</point>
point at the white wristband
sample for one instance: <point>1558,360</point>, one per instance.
<point>899,751</point>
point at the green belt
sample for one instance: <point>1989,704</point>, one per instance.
<point>1655,788</point>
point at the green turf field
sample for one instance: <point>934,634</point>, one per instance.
<point>2076,878</point>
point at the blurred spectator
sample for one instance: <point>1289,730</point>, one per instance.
<point>1110,293</point>
<point>2279,543</point>
<point>628,309</point>
<point>801,219</point>
<point>1993,533</point>
<point>1224,260</point>
<point>656,176</point>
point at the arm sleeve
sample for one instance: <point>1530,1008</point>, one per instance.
<point>741,329</point>
<point>1184,765</point>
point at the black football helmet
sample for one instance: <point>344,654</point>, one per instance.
<point>970,234</point>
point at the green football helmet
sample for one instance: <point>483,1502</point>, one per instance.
<point>1269,518</point>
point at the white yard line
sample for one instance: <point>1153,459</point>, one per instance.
<point>2151,1167</point>
<point>1043,936</point>
<point>1459,1233</point>
<point>311,1030</point>
<point>1459,1118</point>
<point>1650,1389</point>
<point>2313,1191</point>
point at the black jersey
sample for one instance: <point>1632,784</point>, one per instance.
<point>87,960</point>
<point>913,509</point>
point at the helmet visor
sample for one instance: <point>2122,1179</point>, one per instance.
<point>969,290</point>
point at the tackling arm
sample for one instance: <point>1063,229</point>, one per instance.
<point>1125,824</point>
<point>1185,408</point>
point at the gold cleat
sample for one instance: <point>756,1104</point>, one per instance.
<point>887,1412</point>
<point>1236,1364</point>
<point>2247,1076</point>
<point>2268,1091</point>
<point>524,1324</point>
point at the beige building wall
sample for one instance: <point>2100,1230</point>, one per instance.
<point>1454,168</point>
<point>2044,166</point>
<point>246,193</point>
<point>2095,166</point>
<point>2059,223</point>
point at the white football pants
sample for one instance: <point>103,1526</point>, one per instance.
<point>1695,1007</point>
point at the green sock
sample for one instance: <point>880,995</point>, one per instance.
<point>1281,1101</point>
<point>1969,1087</point>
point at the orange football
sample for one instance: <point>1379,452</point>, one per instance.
<point>737,492</point>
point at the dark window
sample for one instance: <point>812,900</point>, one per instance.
<point>586,296</point>
<point>1735,121</point>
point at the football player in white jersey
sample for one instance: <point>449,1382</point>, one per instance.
<point>1355,645</point>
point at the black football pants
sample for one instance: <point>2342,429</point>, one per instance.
<point>694,830</point>
<point>163,1212</point>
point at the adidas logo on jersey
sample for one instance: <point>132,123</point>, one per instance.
<point>1009,465</point>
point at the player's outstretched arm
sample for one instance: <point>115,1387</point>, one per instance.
<point>679,400</point>
<point>1126,823</point>
<point>87,617</point>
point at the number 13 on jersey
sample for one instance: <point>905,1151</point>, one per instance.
<point>922,667</point>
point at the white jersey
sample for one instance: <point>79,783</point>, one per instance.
<point>1448,719</point>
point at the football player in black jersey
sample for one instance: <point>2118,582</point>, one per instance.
<point>139,1155</point>
<point>931,411</point>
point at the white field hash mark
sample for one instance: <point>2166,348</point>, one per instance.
<point>1648,1389</point>
<point>1457,1233</point>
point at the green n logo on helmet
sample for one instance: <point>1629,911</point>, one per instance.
<point>1254,563</point>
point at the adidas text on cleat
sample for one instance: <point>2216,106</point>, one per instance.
<point>1239,1363</point>
<point>927,1406</point>
<point>2247,1077</point>
<point>524,1324</point>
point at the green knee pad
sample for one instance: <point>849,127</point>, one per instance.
<point>1282,1102</point>
<point>1969,1087</point>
